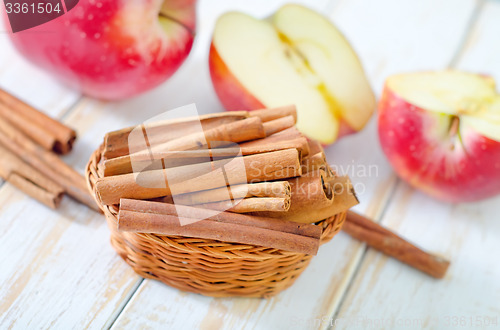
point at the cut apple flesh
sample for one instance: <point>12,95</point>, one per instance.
<point>471,97</point>
<point>297,57</point>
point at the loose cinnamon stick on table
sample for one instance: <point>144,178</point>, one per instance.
<point>37,133</point>
<point>394,246</point>
<point>265,145</point>
<point>247,205</point>
<point>117,143</point>
<point>29,180</point>
<point>46,163</point>
<point>161,218</point>
<point>47,132</point>
<point>280,189</point>
<point>268,166</point>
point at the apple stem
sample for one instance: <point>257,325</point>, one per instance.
<point>454,125</point>
<point>168,17</point>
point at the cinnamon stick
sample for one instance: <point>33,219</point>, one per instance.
<point>288,134</point>
<point>242,130</point>
<point>247,205</point>
<point>268,145</point>
<point>117,143</point>
<point>280,189</point>
<point>314,162</point>
<point>46,163</point>
<point>169,159</point>
<point>312,199</point>
<point>47,132</point>
<point>394,246</point>
<point>224,217</point>
<point>275,113</point>
<point>236,230</point>
<point>37,133</point>
<point>278,125</point>
<point>37,191</point>
<point>315,146</point>
<point>150,184</point>
<point>29,180</point>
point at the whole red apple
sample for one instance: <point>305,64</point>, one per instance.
<point>296,56</point>
<point>113,49</point>
<point>441,133</point>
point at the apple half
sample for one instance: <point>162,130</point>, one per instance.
<point>296,56</point>
<point>441,133</point>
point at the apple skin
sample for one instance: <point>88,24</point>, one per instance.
<point>234,96</point>
<point>412,140</point>
<point>111,49</point>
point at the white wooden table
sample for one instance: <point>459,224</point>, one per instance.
<point>58,270</point>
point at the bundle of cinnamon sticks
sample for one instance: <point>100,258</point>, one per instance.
<point>30,142</point>
<point>242,177</point>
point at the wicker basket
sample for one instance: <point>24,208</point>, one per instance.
<point>208,267</point>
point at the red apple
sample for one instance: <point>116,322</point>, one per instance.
<point>441,133</point>
<point>296,56</point>
<point>113,49</point>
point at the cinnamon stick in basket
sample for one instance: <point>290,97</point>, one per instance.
<point>280,189</point>
<point>117,143</point>
<point>314,162</point>
<point>278,125</point>
<point>242,130</point>
<point>168,219</point>
<point>315,197</point>
<point>123,164</point>
<point>185,179</point>
<point>225,217</point>
<point>275,113</point>
<point>29,180</point>
<point>252,204</point>
<point>392,245</point>
<point>47,132</point>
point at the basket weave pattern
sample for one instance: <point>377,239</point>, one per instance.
<point>208,267</point>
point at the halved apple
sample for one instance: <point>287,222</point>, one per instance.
<point>295,57</point>
<point>441,133</point>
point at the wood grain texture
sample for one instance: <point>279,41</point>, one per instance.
<point>385,290</point>
<point>60,270</point>
<point>311,301</point>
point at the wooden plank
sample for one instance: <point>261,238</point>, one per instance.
<point>58,269</point>
<point>388,291</point>
<point>387,41</point>
<point>62,271</point>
